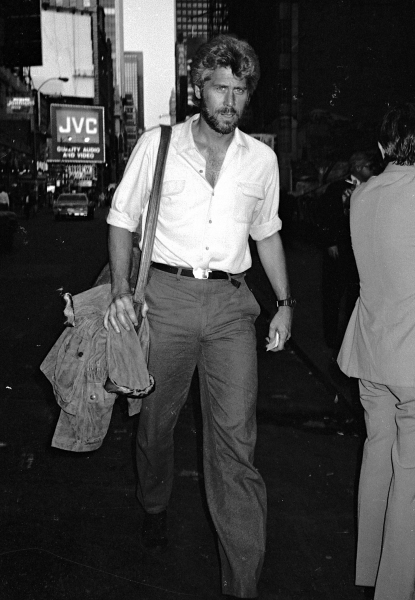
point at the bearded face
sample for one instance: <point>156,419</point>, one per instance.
<point>221,120</point>
<point>223,100</point>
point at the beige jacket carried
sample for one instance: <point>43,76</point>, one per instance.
<point>89,366</point>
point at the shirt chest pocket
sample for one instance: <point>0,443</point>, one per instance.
<point>249,196</point>
<point>172,199</point>
<point>172,188</point>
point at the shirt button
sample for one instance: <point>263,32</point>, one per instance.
<point>201,171</point>
<point>207,247</point>
<point>210,220</point>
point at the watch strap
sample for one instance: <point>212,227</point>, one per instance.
<point>286,302</point>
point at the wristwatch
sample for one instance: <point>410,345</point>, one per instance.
<point>287,302</point>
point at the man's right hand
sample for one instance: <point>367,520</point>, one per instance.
<point>121,313</point>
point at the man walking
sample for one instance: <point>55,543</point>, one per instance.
<point>220,186</point>
<point>378,348</point>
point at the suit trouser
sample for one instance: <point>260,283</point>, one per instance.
<point>208,324</point>
<point>386,503</point>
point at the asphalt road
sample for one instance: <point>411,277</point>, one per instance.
<point>48,257</point>
<point>70,522</point>
<point>52,257</point>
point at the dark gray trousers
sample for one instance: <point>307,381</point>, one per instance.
<point>208,324</point>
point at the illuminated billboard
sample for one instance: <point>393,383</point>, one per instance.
<point>78,134</point>
<point>22,105</point>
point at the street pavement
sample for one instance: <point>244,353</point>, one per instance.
<point>70,522</point>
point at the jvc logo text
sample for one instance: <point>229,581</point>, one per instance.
<point>90,124</point>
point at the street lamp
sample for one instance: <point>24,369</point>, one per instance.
<point>64,79</point>
<point>36,117</point>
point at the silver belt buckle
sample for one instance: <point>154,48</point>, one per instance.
<point>200,273</point>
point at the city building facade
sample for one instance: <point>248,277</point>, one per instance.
<point>77,49</point>
<point>133,62</point>
<point>114,28</point>
<point>130,122</point>
<point>20,47</point>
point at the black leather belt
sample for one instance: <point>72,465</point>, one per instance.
<point>196,273</point>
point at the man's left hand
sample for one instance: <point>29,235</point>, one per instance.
<point>281,323</point>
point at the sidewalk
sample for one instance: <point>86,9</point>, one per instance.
<point>71,521</point>
<point>304,263</point>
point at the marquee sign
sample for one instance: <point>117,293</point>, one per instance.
<point>78,134</point>
<point>20,105</point>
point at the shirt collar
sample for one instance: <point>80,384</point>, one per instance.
<point>186,141</point>
<point>394,167</point>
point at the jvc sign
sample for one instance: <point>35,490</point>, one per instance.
<point>82,126</point>
<point>77,133</point>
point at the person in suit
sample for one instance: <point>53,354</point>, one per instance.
<point>379,350</point>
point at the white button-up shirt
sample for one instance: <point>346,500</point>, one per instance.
<point>200,226</point>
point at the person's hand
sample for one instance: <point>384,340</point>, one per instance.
<point>144,310</point>
<point>121,313</point>
<point>281,324</point>
<point>333,252</point>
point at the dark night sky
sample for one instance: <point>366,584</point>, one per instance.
<point>355,56</point>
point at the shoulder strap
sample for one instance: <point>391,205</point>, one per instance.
<point>152,214</point>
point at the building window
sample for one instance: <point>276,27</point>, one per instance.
<point>202,19</point>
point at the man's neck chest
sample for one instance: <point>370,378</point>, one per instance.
<point>214,160</point>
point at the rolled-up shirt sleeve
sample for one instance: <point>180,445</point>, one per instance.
<point>266,220</point>
<point>133,192</point>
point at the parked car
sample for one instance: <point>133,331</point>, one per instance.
<point>73,205</point>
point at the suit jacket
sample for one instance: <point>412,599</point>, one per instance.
<point>379,344</point>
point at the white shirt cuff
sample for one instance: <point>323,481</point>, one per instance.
<point>119,219</point>
<point>260,232</point>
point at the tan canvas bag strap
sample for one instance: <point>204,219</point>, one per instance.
<point>152,214</point>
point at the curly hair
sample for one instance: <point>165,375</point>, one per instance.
<point>397,134</point>
<point>226,51</point>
